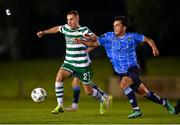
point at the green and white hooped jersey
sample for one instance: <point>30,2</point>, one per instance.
<point>75,53</point>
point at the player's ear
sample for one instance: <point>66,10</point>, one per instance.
<point>77,18</point>
<point>125,28</point>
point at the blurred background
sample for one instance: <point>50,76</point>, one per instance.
<point>27,62</point>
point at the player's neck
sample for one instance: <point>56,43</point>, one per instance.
<point>76,27</point>
<point>121,34</point>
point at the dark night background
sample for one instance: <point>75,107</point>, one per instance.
<point>157,19</point>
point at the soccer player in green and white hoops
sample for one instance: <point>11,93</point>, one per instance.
<point>76,91</point>
<point>76,60</point>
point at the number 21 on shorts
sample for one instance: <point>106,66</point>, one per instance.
<point>86,76</point>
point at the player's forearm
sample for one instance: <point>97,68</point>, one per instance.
<point>89,49</point>
<point>52,30</point>
<point>90,43</point>
<point>150,42</point>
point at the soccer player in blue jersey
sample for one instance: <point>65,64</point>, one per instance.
<point>120,47</point>
<point>76,61</point>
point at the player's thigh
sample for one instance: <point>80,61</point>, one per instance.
<point>62,74</point>
<point>131,78</point>
<point>85,77</point>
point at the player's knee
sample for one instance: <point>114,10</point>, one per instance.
<point>121,85</point>
<point>125,82</point>
<point>60,78</point>
<point>124,85</point>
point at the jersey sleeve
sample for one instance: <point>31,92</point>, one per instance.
<point>87,31</point>
<point>61,28</point>
<point>137,37</point>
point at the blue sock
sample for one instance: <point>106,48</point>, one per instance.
<point>131,97</point>
<point>76,94</point>
<point>155,98</point>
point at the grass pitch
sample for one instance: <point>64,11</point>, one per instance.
<point>17,79</point>
<point>27,112</point>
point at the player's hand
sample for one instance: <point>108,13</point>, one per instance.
<point>87,36</point>
<point>40,34</point>
<point>78,41</point>
<point>155,52</point>
<point>92,37</point>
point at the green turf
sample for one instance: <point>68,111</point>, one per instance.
<point>26,111</point>
<point>18,78</point>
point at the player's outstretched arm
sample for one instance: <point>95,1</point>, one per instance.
<point>48,31</point>
<point>89,43</point>
<point>92,37</point>
<point>151,43</point>
<point>89,49</point>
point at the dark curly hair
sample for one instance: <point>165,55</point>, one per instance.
<point>124,19</point>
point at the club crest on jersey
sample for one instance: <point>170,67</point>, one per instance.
<point>129,39</point>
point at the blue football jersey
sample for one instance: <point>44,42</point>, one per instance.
<point>121,50</point>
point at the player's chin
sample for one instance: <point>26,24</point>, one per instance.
<point>72,27</point>
<point>116,33</point>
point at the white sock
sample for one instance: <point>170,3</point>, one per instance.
<point>98,95</point>
<point>74,105</point>
<point>59,89</point>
